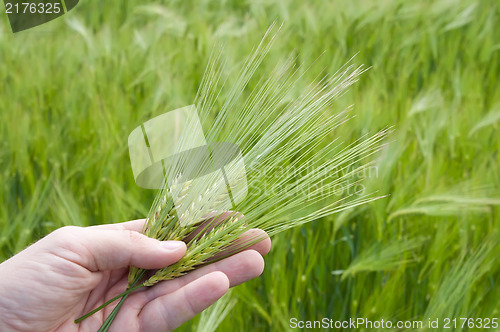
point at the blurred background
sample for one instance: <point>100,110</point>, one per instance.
<point>73,89</point>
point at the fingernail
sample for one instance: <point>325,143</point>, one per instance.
<point>172,245</point>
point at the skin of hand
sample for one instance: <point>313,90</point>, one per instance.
<point>73,270</point>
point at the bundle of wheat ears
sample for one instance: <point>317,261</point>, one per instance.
<point>292,167</point>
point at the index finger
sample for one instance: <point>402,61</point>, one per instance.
<point>132,225</point>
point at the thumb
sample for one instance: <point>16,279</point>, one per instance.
<point>105,249</point>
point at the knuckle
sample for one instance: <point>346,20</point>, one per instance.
<point>134,236</point>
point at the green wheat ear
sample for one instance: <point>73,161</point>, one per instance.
<point>201,249</point>
<point>274,134</point>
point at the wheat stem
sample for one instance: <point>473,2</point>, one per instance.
<point>102,306</point>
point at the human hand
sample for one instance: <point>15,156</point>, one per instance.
<point>75,269</point>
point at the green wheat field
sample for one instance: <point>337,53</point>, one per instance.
<point>73,89</point>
